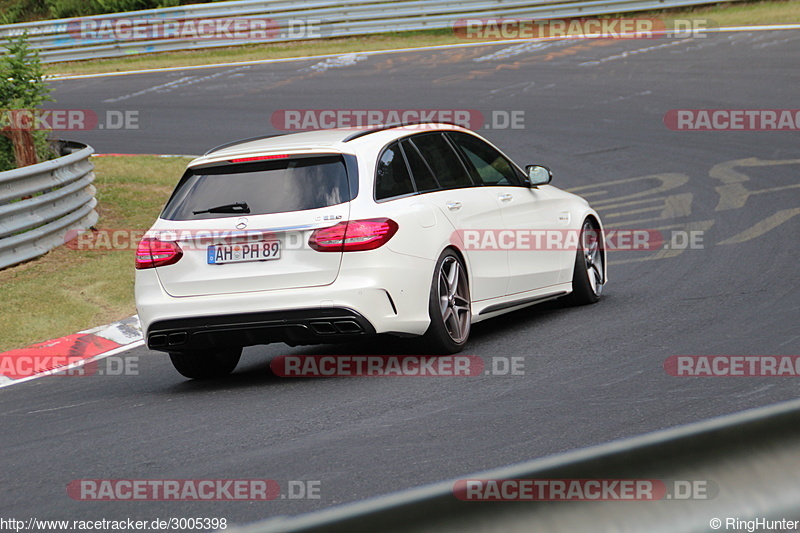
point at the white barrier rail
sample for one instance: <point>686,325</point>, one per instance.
<point>67,40</point>
<point>40,203</point>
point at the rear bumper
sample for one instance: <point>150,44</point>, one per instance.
<point>298,326</point>
<point>380,295</point>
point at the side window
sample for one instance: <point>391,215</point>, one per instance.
<point>490,166</point>
<point>423,177</point>
<point>392,178</point>
<point>442,159</point>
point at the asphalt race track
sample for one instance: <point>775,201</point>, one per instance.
<point>593,112</point>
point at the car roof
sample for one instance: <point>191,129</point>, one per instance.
<point>335,140</point>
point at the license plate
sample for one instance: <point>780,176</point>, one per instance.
<point>221,254</point>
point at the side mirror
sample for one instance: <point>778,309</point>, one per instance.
<point>538,175</point>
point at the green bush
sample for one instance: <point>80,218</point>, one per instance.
<point>22,86</point>
<point>14,11</point>
<point>6,155</point>
<point>120,6</point>
<point>62,9</point>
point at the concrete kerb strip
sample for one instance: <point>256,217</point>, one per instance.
<point>79,349</point>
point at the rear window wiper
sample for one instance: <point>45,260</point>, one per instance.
<point>238,207</point>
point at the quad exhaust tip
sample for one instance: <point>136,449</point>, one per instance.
<point>340,327</point>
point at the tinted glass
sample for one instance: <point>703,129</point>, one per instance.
<point>391,177</point>
<point>267,187</point>
<point>489,165</point>
<point>419,169</point>
<point>444,162</point>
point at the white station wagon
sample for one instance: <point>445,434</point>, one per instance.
<point>333,235</point>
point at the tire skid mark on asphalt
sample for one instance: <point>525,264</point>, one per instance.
<point>519,49</point>
<point>570,49</point>
<point>317,69</point>
<point>59,408</point>
<point>764,38</point>
<point>511,91</point>
<point>525,86</point>
<point>344,60</point>
<point>701,44</point>
<point>611,101</point>
<point>436,59</point>
<point>628,53</point>
<point>177,84</point>
<point>758,46</point>
<point>163,86</point>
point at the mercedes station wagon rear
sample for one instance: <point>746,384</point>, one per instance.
<point>334,235</point>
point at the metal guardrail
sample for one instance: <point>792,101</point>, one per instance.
<point>40,203</point>
<point>61,40</point>
<point>750,462</point>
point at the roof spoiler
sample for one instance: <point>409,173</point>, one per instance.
<point>249,139</point>
<point>385,127</point>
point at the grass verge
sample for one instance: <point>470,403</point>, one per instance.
<point>725,14</point>
<point>67,290</point>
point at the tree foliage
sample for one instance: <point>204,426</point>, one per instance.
<point>23,88</point>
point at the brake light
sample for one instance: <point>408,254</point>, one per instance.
<point>154,253</point>
<point>259,158</point>
<point>354,235</point>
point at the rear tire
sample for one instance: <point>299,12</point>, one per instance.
<point>205,364</point>
<point>588,275</point>
<point>449,306</point>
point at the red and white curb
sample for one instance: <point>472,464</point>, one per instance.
<point>57,355</point>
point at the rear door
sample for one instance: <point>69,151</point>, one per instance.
<point>436,167</point>
<point>536,239</point>
<point>244,227</point>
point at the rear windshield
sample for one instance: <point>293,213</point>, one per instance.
<point>266,187</point>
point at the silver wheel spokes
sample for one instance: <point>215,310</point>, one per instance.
<point>454,303</point>
<point>593,257</point>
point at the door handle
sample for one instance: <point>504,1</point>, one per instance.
<point>505,197</point>
<point>453,206</point>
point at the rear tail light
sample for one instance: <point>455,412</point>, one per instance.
<point>354,235</point>
<point>154,253</point>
